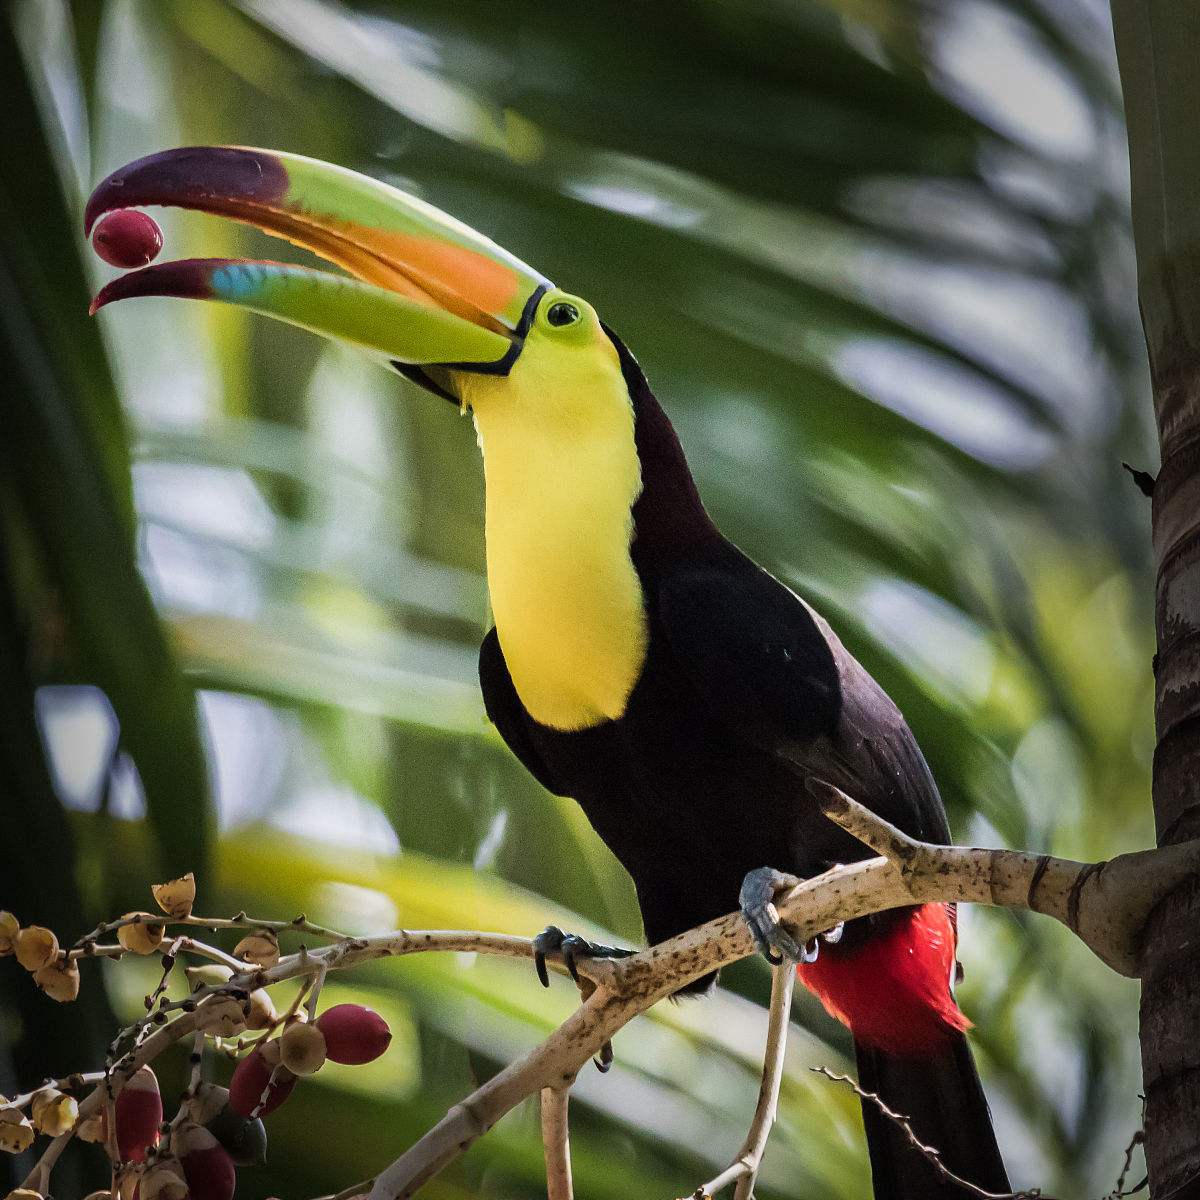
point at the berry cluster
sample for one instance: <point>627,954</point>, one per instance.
<point>216,1129</point>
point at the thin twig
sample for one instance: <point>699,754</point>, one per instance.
<point>556,1139</point>
<point>1138,1139</point>
<point>744,1168</point>
<point>931,1153</point>
<point>299,924</point>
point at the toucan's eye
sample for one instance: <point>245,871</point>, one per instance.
<point>561,314</point>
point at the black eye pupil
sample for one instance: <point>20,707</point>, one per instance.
<point>562,313</point>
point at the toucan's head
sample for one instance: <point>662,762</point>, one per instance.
<point>443,304</point>
<point>577,456</point>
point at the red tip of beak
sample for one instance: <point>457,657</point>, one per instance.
<point>210,178</point>
<point>189,279</point>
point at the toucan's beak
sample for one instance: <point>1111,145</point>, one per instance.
<point>426,289</point>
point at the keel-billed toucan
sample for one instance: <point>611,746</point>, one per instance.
<point>639,663</point>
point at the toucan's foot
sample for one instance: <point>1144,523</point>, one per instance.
<point>757,899</point>
<point>570,947</point>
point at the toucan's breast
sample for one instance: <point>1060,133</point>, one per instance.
<point>561,479</point>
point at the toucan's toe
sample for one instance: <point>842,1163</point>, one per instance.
<point>552,942</point>
<point>757,900</point>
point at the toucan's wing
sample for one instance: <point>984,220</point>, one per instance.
<point>507,713</point>
<point>775,675</point>
<point>752,651</point>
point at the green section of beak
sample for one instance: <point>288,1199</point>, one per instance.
<point>427,289</point>
<point>401,329</point>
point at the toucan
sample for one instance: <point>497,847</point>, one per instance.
<point>640,662</point>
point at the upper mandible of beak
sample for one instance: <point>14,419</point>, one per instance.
<point>427,289</point>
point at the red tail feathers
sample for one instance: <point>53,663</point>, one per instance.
<point>892,988</point>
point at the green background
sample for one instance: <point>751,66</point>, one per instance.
<point>874,257</point>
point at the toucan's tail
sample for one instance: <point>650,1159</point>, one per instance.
<point>940,1093</point>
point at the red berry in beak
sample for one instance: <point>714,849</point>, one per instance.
<point>353,1034</point>
<point>139,1114</point>
<point>251,1079</point>
<point>127,238</point>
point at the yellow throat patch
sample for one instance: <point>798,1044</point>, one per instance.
<point>561,472</point>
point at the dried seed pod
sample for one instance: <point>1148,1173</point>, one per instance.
<point>139,1114</point>
<point>36,946</point>
<point>163,1181</point>
<point>207,1167</point>
<point>261,1014</point>
<point>302,1049</point>
<point>144,937</point>
<point>244,1138</point>
<point>220,1016</point>
<point>91,1129</point>
<point>260,947</point>
<point>9,928</point>
<point>54,1112</point>
<point>209,1100</point>
<point>59,980</point>
<point>209,975</point>
<point>177,896</point>
<point>16,1132</point>
<point>353,1033</point>
<point>260,1075</point>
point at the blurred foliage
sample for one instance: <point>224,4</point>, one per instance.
<point>874,256</point>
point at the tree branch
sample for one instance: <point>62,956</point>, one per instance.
<point>1105,904</point>
<point>744,1168</point>
<point>556,1139</point>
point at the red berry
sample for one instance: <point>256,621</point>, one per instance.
<point>127,238</point>
<point>250,1080</point>
<point>353,1034</point>
<point>139,1114</point>
<point>207,1167</point>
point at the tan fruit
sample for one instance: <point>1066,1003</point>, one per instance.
<point>9,928</point>
<point>262,1014</point>
<point>208,1101</point>
<point>143,937</point>
<point>220,1016</point>
<point>302,1049</point>
<point>59,980</point>
<point>209,975</point>
<point>91,1129</point>
<point>177,896</point>
<point>54,1112</point>
<point>24,1193</point>
<point>16,1133</point>
<point>35,947</point>
<point>260,947</point>
<point>163,1181</point>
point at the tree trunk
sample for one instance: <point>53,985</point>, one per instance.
<point>1158,48</point>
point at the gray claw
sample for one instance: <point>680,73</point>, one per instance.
<point>757,897</point>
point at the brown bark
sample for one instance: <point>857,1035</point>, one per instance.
<point>1158,47</point>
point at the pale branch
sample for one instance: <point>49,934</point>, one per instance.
<point>1105,904</point>
<point>556,1140</point>
<point>930,1153</point>
<point>744,1168</point>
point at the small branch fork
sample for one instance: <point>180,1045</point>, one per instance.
<point>1105,904</point>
